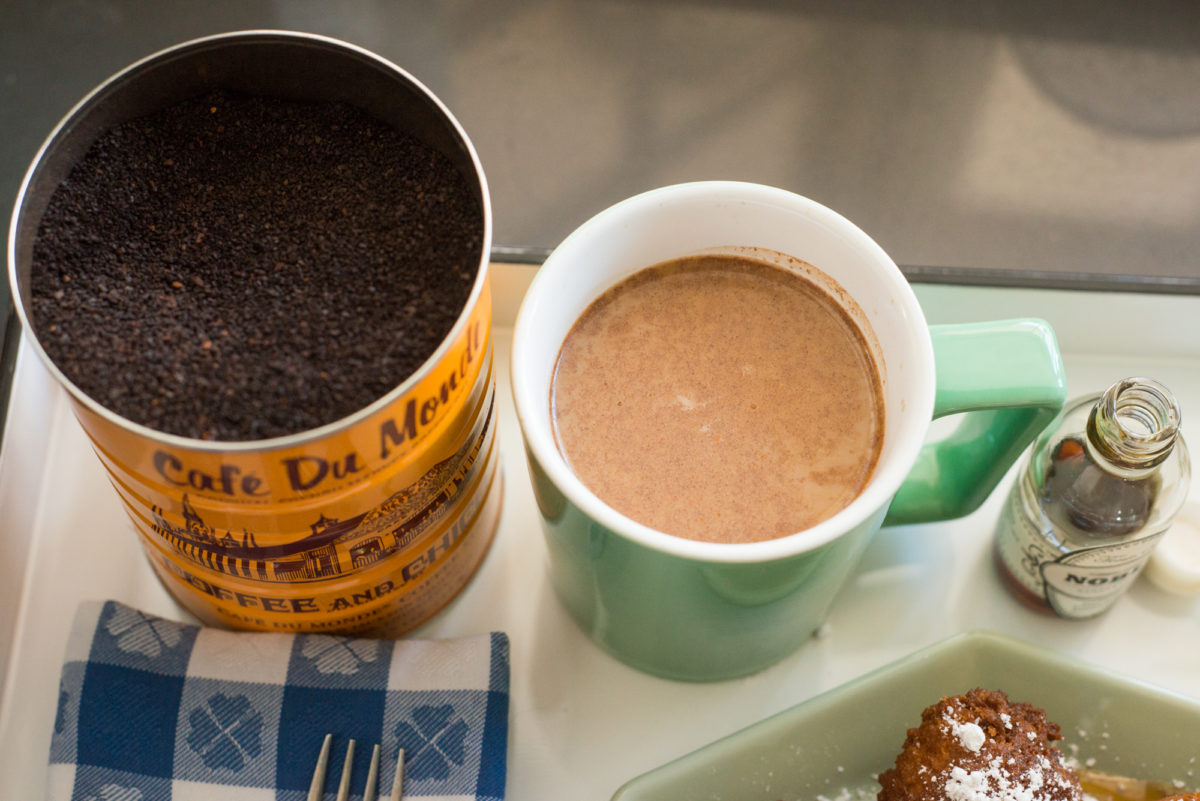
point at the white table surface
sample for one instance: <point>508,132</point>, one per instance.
<point>582,723</point>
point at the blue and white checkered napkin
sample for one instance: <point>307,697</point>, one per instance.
<point>154,710</point>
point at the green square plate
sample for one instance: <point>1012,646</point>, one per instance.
<point>831,747</point>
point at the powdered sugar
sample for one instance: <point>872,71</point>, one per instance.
<point>849,794</point>
<point>991,784</point>
<point>995,782</point>
<point>970,736</point>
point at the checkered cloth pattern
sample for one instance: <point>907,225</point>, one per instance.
<point>154,710</point>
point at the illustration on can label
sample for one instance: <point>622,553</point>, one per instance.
<point>332,547</point>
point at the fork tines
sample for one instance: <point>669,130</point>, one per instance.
<point>317,787</point>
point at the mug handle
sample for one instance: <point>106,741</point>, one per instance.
<point>1007,377</point>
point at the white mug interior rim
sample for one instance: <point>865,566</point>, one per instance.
<point>902,442</point>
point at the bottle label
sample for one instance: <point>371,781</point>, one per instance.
<point>1084,583</point>
<point>1079,584</point>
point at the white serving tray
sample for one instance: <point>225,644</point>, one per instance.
<point>582,723</point>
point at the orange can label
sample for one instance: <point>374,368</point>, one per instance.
<point>369,524</point>
<point>370,579</point>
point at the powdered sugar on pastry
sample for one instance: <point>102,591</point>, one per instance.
<point>981,747</point>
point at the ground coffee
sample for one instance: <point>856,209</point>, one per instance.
<point>240,267</point>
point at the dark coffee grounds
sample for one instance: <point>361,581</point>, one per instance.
<point>240,267</point>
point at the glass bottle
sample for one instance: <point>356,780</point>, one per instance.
<point>1099,489</point>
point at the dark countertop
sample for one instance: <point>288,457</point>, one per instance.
<point>1000,142</point>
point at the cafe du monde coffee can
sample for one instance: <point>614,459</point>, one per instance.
<point>367,523</point>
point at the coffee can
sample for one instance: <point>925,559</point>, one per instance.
<point>367,525</point>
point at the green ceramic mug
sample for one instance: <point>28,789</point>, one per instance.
<point>705,611</point>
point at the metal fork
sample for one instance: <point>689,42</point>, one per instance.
<point>316,789</point>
